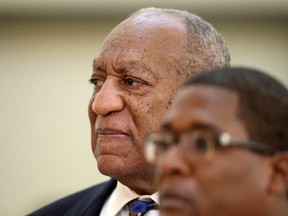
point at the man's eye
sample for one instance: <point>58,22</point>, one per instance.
<point>132,81</point>
<point>201,143</point>
<point>162,144</point>
<point>96,82</point>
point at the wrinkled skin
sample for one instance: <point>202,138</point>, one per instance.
<point>233,182</point>
<point>136,75</point>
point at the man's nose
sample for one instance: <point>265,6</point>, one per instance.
<point>108,99</point>
<point>172,163</point>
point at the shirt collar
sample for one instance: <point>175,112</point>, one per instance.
<point>121,196</point>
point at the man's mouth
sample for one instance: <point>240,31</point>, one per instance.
<point>108,133</point>
<point>112,142</point>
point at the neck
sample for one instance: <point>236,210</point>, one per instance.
<point>139,186</point>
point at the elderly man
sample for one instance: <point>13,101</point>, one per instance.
<point>223,147</point>
<point>136,74</point>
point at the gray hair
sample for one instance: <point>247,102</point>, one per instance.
<point>203,40</point>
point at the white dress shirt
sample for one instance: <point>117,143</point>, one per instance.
<point>115,205</point>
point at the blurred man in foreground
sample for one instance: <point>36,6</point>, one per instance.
<point>223,147</point>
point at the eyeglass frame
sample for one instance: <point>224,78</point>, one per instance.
<point>221,139</point>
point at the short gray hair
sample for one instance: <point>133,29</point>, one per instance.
<point>203,40</point>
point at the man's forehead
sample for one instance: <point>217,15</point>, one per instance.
<point>205,93</point>
<point>202,104</point>
<point>120,61</point>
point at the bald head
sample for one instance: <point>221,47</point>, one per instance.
<point>196,43</point>
<point>205,47</point>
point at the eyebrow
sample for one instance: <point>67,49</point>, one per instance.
<point>203,126</point>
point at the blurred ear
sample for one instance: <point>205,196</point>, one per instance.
<point>279,175</point>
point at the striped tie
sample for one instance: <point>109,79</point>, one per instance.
<point>139,207</point>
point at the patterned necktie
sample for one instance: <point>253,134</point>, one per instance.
<point>139,207</point>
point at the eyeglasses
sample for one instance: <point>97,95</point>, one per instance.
<point>199,143</point>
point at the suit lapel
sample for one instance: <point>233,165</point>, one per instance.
<point>92,203</point>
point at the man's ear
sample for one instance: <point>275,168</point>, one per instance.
<point>279,175</point>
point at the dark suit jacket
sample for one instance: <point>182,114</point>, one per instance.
<point>88,202</point>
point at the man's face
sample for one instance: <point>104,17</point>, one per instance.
<point>135,77</point>
<point>231,182</point>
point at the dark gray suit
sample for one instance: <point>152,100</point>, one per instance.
<point>88,202</point>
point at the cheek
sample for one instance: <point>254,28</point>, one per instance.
<point>226,186</point>
<point>148,114</point>
<point>219,176</point>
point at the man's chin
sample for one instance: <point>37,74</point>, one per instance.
<point>110,165</point>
